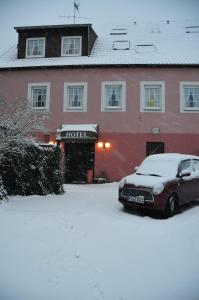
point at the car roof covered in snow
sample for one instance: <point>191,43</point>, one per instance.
<point>137,43</point>
<point>171,156</point>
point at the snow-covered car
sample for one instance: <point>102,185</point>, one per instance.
<point>162,182</point>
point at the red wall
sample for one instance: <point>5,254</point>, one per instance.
<point>127,131</point>
<point>128,150</point>
<point>15,84</point>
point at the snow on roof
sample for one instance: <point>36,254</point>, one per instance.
<point>51,26</point>
<point>80,127</point>
<point>166,43</point>
<point>164,165</point>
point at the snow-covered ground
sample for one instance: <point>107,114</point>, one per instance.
<point>82,245</point>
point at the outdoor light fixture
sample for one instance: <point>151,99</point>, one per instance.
<point>51,143</point>
<point>58,134</point>
<point>107,145</point>
<point>103,145</point>
<point>100,144</point>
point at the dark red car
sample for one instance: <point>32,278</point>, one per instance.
<point>162,182</point>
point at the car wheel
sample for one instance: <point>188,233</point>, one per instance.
<point>170,207</point>
<point>126,206</point>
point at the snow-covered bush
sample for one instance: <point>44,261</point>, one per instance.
<point>35,170</point>
<point>18,123</point>
<point>3,193</point>
<point>25,167</point>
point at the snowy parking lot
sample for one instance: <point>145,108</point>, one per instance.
<point>82,245</point>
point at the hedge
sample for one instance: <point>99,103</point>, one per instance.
<point>3,193</point>
<point>33,170</point>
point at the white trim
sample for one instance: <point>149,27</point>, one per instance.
<point>79,127</point>
<point>66,108</point>
<point>62,44</point>
<point>38,84</point>
<point>182,85</point>
<point>44,47</point>
<point>142,96</point>
<point>105,108</point>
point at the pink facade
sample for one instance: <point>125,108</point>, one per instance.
<point>127,131</point>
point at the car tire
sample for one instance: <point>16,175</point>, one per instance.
<point>126,206</point>
<point>170,207</point>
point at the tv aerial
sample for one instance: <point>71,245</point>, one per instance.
<point>76,5</point>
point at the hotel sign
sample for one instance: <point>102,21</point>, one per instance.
<point>78,135</point>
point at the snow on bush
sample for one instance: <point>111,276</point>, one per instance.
<point>25,167</point>
<point>36,170</point>
<point>3,193</point>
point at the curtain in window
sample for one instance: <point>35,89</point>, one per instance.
<point>35,47</point>
<point>39,97</point>
<point>113,95</point>
<point>191,97</point>
<point>153,97</point>
<point>71,45</point>
<point>75,97</point>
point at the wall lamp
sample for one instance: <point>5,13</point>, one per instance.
<point>101,145</point>
<point>52,142</point>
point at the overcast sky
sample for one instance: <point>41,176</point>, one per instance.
<point>45,12</point>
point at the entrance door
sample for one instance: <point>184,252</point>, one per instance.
<point>154,148</point>
<point>79,158</point>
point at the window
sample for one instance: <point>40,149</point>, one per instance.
<point>152,96</point>
<point>75,96</point>
<point>39,95</point>
<point>35,47</point>
<point>142,48</point>
<point>71,46</point>
<point>118,31</point>
<point>121,45</point>
<point>196,167</point>
<point>192,29</point>
<point>154,148</point>
<point>113,96</point>
<point>189,96</point>
<point>185,165</point>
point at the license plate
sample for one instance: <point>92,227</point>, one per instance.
<point>137,199</point>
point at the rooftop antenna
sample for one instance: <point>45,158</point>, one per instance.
<point>76,5</point>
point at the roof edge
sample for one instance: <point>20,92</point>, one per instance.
<point>51,26</point>
<point>101,66</point>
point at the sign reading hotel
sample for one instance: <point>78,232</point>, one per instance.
<point>81,135</point>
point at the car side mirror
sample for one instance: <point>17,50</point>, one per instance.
<point>135,169</point>
<point>184,173</point>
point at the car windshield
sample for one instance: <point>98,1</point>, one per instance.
<point>158,167</point>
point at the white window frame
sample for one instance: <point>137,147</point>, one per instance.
<point>66,107</point>
<point>105,108</point>
<point>184,109</point>
<point>44,47</point>
<point>70,37</point>
<point>39,84</point>
<point>143,84</point>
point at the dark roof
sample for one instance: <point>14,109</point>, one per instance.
<point>51,26</point>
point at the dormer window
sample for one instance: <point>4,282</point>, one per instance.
<point>35,47</point>
<point>71,46</point>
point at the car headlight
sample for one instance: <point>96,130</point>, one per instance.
<point>122,183</point>
<point>158,188</point>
